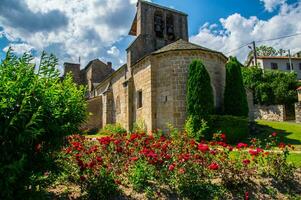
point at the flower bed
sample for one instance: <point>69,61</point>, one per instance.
<point>152,163</point>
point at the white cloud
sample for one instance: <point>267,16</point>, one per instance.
<point>93,28</point>
<point>19,48</point>
<point>114,51</point>
<point>237,30</point>
<point>271,5</point>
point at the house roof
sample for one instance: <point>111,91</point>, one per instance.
<point>299,88</point>
<point>92,61</point>
<point>277,57</point>
<point>184,45</point>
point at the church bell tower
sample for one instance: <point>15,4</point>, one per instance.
<point>155,26</point>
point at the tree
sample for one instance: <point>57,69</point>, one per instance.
<point>265,51</point>
<point>200,100</point>
<point>37,110</point>
<point>272,86</point>
<point>235,99</point>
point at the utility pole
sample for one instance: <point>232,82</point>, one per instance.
<point>290,60</point>
<point>255,53</point>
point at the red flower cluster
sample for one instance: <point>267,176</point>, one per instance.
<point>213,166</point>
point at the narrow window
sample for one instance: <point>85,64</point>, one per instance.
<point>299,66</point>
<point>170,27</point>
<point>139,99</point>
<point>159,24</point>
<point>274,66</point>
<point>288,67</point>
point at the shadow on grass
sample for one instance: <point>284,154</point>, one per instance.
<point>263,132</point>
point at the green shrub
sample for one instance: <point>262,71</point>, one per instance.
<point>200,100</point>
<point>101,186</point>
<point>235,128</point>
<point>196,128</point>
<point>37,111</point>
<point>272,86</point>
<point>110,129</point>
<point>235,99</point>
<point>141,174</point>
<point>139,127</point>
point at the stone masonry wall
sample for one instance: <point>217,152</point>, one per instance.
<point>271,113</point>
<point>298,112</point>
<point>94,107</point>
<point>170,82</point>
<point>142,82</point>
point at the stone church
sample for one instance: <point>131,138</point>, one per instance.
<point>151,87</point>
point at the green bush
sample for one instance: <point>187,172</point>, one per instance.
<point>101,186</point>
<point>272,86</point>
<point>235,128</point>
<point>196,128</point>
<point>200,100</point>
<point>111,129</point>
<point>141,174</point>
<point>235,99</point>
<point>37,111</point>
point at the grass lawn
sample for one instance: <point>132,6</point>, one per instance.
<point>289,133</point>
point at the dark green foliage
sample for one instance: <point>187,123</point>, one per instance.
<point>235,128</point>
<point>200,100</point>
<point>37,110</point>
<point>272,86</point>
<point>235,99</point>
<point>100,187</point>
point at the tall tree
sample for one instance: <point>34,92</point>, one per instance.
<point>200,100</point>
<point>235,99</point>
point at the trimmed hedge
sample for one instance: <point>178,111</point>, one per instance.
<point>235,128</point>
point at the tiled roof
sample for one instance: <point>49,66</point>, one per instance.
<point>277,57</point>
<point>184,45</point>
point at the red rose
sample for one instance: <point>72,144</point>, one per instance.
<point>213,166</point>
<point>241,145</point>
<point>246,161</point>
<point>171,167</point>
<point>134,158</point>
<point>274,134</point>
<point>99,159</point>
<point>181,170</point>
<point>203,147</point>
<point>246,195</point>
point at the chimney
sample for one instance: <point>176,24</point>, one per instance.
<point>109,64</point>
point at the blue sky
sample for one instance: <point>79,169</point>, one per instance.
<point>98,28</point>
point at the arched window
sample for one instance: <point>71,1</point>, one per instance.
<point>159,24</point>
<point>170,27</point>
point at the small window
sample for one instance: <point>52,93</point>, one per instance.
<point>159,24</point>
<point>139,99</point>
<point>299,66</point>
<point>288,66</point>
<point>274,66</point>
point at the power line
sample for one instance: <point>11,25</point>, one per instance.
<point>282,37</point>
<point>238,48</point>
<point>267,40</point>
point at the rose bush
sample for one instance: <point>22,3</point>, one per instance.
<point>147,162</point>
